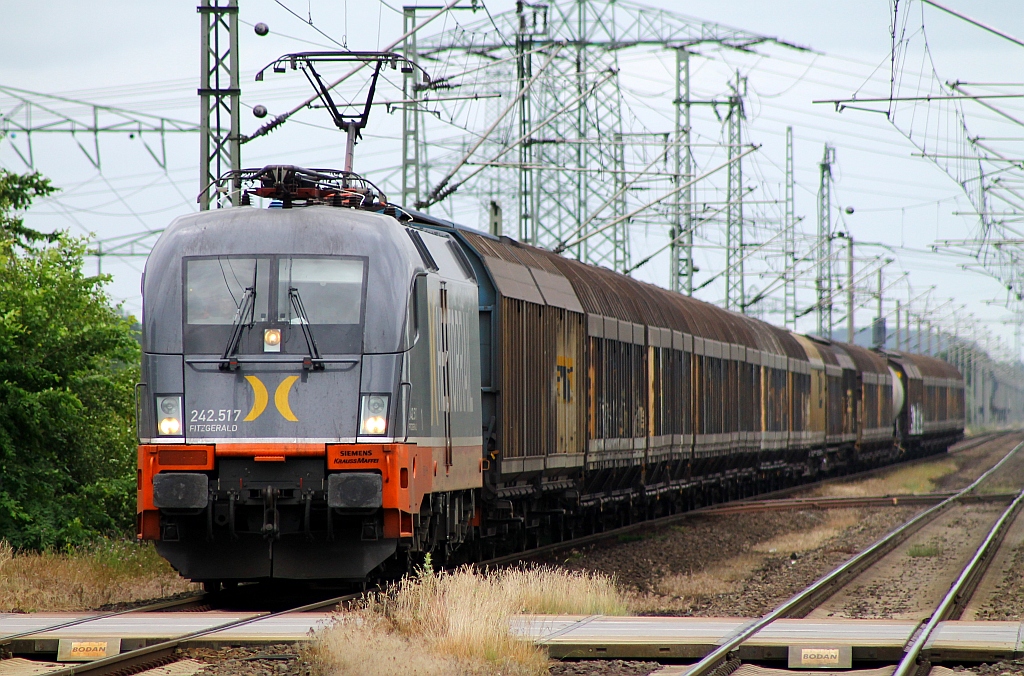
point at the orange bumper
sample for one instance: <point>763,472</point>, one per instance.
<point>156,458</point>
<point>407,471</point>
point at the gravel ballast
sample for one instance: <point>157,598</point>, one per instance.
<point>603,668</point>
<point>727,566</point>
<point>708,544</point>
<point>284,659</point>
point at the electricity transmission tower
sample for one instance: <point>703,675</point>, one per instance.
<point>414,160</point>
<point>32,113</point>
<point>576,158</point>
<point>789,244</point>
<point>681,242</point>
<point>735,297</point>
<point>823,248</point>
<point>220,95</point>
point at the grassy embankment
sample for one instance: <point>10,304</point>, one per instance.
<point>457,623</point>
<point>104,573</point>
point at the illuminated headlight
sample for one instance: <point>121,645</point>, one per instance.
<point>271,340</point>
<point>169,427</point>
<point>168,412</point>
<point>373,414</point>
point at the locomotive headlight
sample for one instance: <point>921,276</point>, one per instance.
<point>373,414</point>
<point>169,427</point>
<point>168,412</point>
<point>271,340</point>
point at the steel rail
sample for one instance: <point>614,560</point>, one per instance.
<point>830,582</point>
<point>974,442</point>
<point>150,608</point>
<point>844,502</point>
<point>164,649</point>
<point>961,590</point>
<point>959,447</point>
<point>746,507</point>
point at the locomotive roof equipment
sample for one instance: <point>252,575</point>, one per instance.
<point>351,123</point>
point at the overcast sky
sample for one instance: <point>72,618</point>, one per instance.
<point>145,57</point>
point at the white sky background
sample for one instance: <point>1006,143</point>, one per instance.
<point>145,57</point>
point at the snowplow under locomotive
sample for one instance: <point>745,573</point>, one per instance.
<point>335,386</point>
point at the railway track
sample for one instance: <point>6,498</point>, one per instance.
<point>167,605</point>
<point>162,651</point>
<point>807,599</point>
<point>720,645</point>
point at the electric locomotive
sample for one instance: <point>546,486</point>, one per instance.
<point>281,435</point>
<point>334,386</point>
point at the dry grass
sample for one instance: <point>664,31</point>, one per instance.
<point>728,576</point>
<point>725,577</point>
<point>913,480</point>
<point>107,572</point>
<point>364,644</point>
<point>458,623</point>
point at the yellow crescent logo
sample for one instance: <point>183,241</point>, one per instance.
<point>259,398</point>
<point>281,398</point>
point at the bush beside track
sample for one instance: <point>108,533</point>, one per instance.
<point>68,365</point>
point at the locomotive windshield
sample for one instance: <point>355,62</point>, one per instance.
<point>331,289</point>
<point>216,289</point>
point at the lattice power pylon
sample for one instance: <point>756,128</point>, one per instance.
<point>220,95</point>
<point>789,245</point>
<point>681,242</point>
<point>735,296</point>
<point>567,146</point>
<point>579,153</point>
<point>823,247</point>
<point>414,160</point>
<point>24,114</point>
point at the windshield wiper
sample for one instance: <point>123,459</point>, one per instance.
<point>313,361</point>
<point>228,362</point>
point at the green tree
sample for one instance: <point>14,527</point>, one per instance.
<point>68,364</point>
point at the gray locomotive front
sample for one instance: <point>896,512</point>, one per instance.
<point>280,411</point>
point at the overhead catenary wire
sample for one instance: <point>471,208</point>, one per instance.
<point>501,116</point>
<point>626,217</point>
<point>310,24</point>
<point>450,189</point>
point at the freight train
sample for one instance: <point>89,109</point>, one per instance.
<point>334,386</point>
